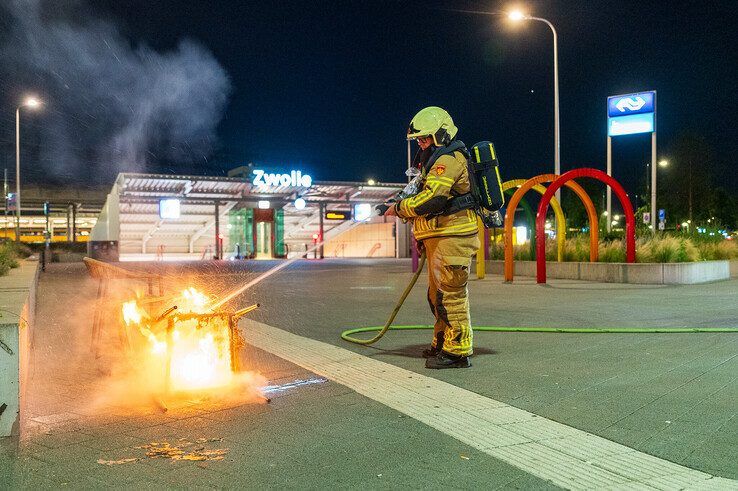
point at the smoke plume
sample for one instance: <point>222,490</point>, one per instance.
<point>110,104</point>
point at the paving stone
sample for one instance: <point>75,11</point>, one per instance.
<point>118,442</point>
<point>620,387</point>
<point>56,439</point>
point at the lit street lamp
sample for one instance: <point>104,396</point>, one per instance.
<point>663,164</point>
<point>518,16</point>
<point>32,103</point>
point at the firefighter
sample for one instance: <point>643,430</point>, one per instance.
<point>449,238</point>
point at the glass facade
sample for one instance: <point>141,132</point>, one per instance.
<point>241,231</point>
<point>280,249</point>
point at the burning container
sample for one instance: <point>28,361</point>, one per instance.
<point>189,346</point>
<point>174,343</point>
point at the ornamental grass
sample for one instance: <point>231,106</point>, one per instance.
<point>655,249</point>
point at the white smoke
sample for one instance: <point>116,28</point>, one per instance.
<point>110,104</point>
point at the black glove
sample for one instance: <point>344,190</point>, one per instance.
<point>382,209</point>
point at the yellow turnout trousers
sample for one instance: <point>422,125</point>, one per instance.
<point>449,259</point>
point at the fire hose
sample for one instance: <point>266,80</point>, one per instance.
<point>347,335</point>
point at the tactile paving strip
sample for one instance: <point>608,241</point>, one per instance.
<point>563,455</point>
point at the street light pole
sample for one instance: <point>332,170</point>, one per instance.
<point>518,16</point>
<point>30,102</point>
<point>17,175</point>
<point>557,140</point>
<point>653,180</point>
<point>651,169</point>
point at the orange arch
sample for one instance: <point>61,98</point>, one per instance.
<point>513,204</point>
<point>558,213</point>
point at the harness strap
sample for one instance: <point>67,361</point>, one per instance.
<point>464,201</point>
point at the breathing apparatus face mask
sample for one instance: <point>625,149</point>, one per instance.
<point>414,172</point>
<point>422,156</point>
<point>413,187</point>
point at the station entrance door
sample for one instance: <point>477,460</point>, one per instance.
<point>257,234</point>
<point>264,240</point>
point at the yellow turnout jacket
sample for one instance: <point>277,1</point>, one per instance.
<point>446,178</point>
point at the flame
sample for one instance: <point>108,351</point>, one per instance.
<point>201,354</point>
<point>131,313</point>
<point>201,362</point>
<point>198,351</point>
<point>193,301</point>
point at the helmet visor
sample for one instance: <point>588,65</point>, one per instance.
<point>414,134</point>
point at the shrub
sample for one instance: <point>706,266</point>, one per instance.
<point>713,251</point>
<point>8,258</point>
<point>521,252</point>
<point>612,252</point>
<point>496,251</point>
<point>21,250</point>
<point>687,251</point>
<point>577,248</point>
<point>666,249</point>
<point>660,248</point>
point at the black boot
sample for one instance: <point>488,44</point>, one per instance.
<point>447,360</point>
<point>431,352</point>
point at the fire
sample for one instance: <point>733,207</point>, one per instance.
<point>193,301</point>
<point>188,348</point>
<point>131,313</point>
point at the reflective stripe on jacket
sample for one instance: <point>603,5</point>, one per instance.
<point>447,177</point>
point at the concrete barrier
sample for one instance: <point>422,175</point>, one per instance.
<point>691,273</point>
<point>636,273</point>
<point>17,317</point>
<point>568,270</point>
<point>644,273</point>
<point>602,272</point>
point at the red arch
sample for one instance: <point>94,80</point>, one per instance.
<point>551,190</point>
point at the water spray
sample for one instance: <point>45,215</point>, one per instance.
<point>233,294</point>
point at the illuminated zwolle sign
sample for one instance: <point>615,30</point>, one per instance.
<point>295,179</point>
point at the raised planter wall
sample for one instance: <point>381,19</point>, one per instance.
<point>637,273</point>
<point>18,303</point>
<point>734,269</point>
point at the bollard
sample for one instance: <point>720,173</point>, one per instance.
<point>481,252</point>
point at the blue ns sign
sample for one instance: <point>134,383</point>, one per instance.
<point>629,114</point>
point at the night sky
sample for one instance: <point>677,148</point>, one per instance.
<point>330,86</point>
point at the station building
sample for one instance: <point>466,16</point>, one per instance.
<point>253,213</point>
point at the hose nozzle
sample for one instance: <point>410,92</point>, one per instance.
<point>240,313</point>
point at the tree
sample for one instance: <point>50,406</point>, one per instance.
<point>576,214</point>
<point>685,189</point>
<point>723,208</point>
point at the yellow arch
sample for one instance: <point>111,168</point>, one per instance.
<point>558,212</point>
<point>518,195</point>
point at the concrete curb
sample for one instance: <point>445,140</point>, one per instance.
<point>18,304</point>
<point>635,273</point>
